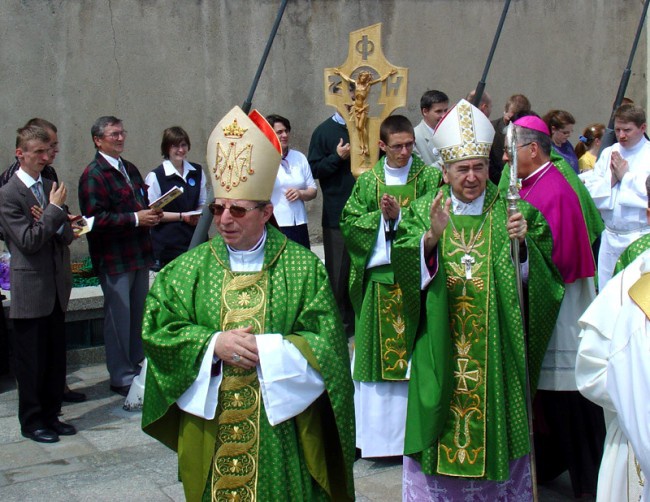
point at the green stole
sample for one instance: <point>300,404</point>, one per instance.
<point>465,251</point>
<point>390,311</point>
<point>632,252</point>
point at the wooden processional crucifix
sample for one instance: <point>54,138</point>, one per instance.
<point>365,90</point>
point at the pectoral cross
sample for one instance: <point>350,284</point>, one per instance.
<point>468,261</point>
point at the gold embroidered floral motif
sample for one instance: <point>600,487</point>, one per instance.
<point>244,299</point>
<point>392,332</point>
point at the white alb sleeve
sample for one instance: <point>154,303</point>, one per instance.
<point>201,397</point>
<point>287,382</point>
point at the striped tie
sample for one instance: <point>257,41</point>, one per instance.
<point>38,193</point>
<point>124,173</point>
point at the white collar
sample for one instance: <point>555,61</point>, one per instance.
<point>473,208</point>
<point>250,260</point>
<point>537,170</point>
<point>634,149</point>
<point>111,160</point>
<point>27,179</point>
<point>338,118</point>
<point>397,175</point>
<point>170,170</point>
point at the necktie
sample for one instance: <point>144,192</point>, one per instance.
<point>124,173</point>
<point>38,193</point>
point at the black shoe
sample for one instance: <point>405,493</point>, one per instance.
<point>63,429</point>
<point>72,396</point>
<point>42,435</point>
<point>122,391</point>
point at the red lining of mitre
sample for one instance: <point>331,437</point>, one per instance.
<point>259,120</point>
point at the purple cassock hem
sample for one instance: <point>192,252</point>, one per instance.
<point>418,487</point>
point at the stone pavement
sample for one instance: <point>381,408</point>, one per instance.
<point>111,459</point>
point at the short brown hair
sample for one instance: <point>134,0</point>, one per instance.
<point>28,133</point>
<point>519,104</point>
<point>42,123</point>
<point>557,119</point>
<point>630,113</point>
<point>173,136</point>
<point>394,124</point>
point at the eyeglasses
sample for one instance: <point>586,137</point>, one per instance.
<point>235,211</point>
<point>399,148</point>
<point>519,147</point>
<point>115,135</point>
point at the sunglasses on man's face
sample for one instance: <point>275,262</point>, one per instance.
<point>235,211</point>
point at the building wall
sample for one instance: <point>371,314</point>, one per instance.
<point>157,63</point>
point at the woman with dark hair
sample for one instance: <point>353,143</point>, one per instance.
<point>293,186</point>
<point>560,123</point>
<point>172,236</point>
<point>587,148</point>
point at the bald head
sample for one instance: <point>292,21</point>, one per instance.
<point>485,105</point>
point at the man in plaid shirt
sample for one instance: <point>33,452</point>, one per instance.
<point>112,190</point>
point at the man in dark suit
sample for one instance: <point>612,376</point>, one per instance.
<point>112,190</point>
<point>49,173</point>
<point>41,281</point>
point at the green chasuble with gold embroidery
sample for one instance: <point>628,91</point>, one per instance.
<point>466,404</point>
<point>632,252</point>
<point>239,455</point>
<point>383,341</point>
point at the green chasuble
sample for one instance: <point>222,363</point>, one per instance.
<point>383,340</point>
<point>466,403</point>
<point>239,455</point>
<point>632,252</point>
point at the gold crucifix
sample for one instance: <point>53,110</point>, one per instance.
<point>365,90</point>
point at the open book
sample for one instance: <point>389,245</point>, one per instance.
<point>166,198</point>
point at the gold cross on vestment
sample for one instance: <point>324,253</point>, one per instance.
<point>463,375</point>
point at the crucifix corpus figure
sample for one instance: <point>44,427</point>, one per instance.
<point>359,110</point>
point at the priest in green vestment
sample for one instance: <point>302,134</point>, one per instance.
<point>382,339</point>
<point>248,366</point>
<point>467,425</point>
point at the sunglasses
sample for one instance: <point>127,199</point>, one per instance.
<point>235,211</point>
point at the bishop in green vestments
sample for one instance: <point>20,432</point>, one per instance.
<point>248,374</point>
<point>467,426</point>
<point>382,339</point>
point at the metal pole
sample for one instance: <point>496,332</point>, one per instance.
<point>480,87</point>
<point>203,226</point>
<point>609,138</point>
<point>513,198</point>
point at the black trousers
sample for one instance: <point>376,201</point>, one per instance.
<point>297,233</point>
<point>39,365</point>
<point>337,263</point>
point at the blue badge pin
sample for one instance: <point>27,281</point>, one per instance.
<point>191,182</point>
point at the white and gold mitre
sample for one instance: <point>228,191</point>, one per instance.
<point>244,155</point>
<point>463,133</point>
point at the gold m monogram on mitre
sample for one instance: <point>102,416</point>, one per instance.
<point>379,88</point>
<point>243,156</point>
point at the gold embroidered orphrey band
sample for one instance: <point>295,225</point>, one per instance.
<point>461,448</point>
<point>235,465</point>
